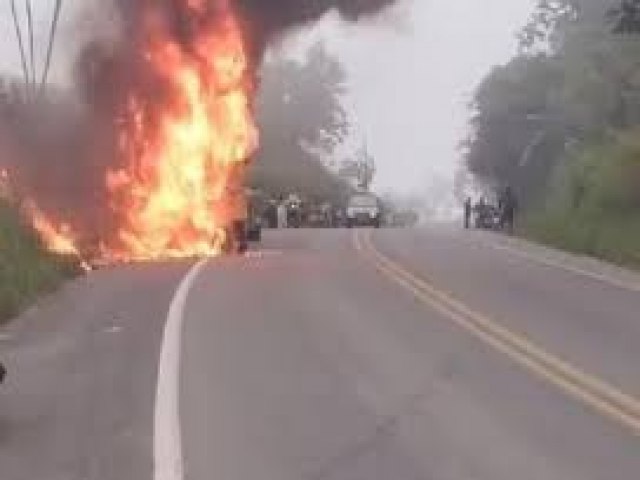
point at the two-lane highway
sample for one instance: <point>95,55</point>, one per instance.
<point>341,355</point>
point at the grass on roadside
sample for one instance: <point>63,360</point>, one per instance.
<point>26,269</point>
<point>593,206</point>
<point>613,239</point>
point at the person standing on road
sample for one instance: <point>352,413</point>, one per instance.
<point>481,213</point>
<point>467,213</point>
<point>282,214</point>
<point>271,214</point>
<point>338,217</point>
<point>239,208</point>
<point>508,205</point>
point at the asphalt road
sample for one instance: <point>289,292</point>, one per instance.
<point>429,354</point>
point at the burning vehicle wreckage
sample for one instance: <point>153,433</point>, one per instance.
<point>167,132</point>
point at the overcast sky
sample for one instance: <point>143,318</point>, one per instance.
<point>412,80</point>
<point>411,75</point>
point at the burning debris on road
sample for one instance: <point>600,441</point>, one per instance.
<point>154,164</point>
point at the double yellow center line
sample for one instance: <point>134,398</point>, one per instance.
<point>594,392</point>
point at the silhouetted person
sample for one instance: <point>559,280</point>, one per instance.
<point>508,205</point>
<point>281,214</point>
<point>467,213</point>
<point>271,214</point>
<point>481,212</point>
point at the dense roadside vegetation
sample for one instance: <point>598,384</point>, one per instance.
<point>593,204</point>
<point>26,269</point>
<point>302,122</point>
<point>561,124</point>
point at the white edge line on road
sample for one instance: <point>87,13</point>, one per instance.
<point>167,438</point>
<point>633,287</point>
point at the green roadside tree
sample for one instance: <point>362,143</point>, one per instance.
<point>302,120</point>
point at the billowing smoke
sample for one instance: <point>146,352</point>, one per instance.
<point>270,18</point>
<point>265,19</point>
<point>61,156</point>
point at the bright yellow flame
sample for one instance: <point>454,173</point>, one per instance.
<point>182,183</point>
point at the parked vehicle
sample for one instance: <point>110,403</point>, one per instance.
<point>364,209</point>
<point>318,216</point>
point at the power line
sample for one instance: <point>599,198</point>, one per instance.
<point>52,38</point>
<point>32,58</point>
<point>29,70</point>
<point>16,23</point>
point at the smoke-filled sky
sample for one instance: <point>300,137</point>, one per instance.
<point>411,73</point>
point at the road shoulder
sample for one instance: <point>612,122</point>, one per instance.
<point>583,265</point>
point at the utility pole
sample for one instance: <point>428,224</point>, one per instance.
<point>366,167</point>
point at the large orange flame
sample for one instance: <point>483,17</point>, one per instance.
<point>183,183</point>
<point>185,159</point>
<point>58,238</point>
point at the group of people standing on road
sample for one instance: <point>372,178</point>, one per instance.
<point>488,216</point>
<point>293,212</point>
<point>284,212</point>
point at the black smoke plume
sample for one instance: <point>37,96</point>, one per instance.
<point>270,18</point>
<point>266,19</point>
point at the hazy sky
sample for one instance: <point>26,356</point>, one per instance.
<point>412,80</point>
<point>411,75</point>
